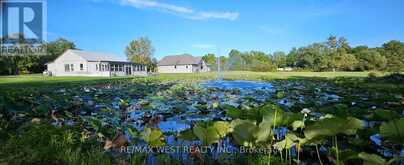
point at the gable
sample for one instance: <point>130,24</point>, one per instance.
<point>69,56</point>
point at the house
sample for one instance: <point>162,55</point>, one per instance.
<point>85,63</point>
<point>182,64</point>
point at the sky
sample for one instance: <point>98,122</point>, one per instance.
<point>199,27</point>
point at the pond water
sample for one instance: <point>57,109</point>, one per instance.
<point>237,84</point>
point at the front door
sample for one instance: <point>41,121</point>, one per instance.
<point>128,70</point>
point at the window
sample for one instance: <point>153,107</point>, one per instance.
<point>175,66</point>
<point>67,68</point>
<point>186,66</point>
<point>121,68</point>
<point>81,66</point>
<point>201,66</point>
<point>102,67</point>
<point>71,67</point>
<point>96,67</point>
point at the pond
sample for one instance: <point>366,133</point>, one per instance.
<point>178,114</point>
<point>221,113</point>
<point>237,84</point>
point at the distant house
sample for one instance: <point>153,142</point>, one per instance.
<point>182,64</point>
<point>285,69</point>
<point>84,63</point>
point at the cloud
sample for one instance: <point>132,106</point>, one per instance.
<point>216,15</point>
<point>203,46</point>
<point>184,12</point>
<point>157,5</point>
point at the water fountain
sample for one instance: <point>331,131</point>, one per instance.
<point>232,84</point>
<point>219,75</point>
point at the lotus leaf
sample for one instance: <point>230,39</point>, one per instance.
<point>243,131</point>
<point>209,132</point>
<point>385,115</point>
<point>371,159</point>
<point>393,130</point>
<point>152,136</point>
<point>333,126</point>
<point>287,143</point>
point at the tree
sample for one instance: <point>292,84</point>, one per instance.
<point>394,52</point>
<point>260,62</point>
<point>210,60</point>
<point>152,66</point>
<point>140,51</point>
<point>58,47</point>
<point>332,42</point>
<point>291,59</point>
<point>236,61</point>
<point>371,60</point>
<point>343,45</point>
<point>279,59</point>
<point>346,62</point>
<point>358,49</point>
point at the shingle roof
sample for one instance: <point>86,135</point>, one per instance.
<point>184,59</point>
<point>96,56</point>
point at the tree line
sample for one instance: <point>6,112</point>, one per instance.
<point>335,54</point>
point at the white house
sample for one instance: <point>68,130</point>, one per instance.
<point>84,63</point>
<point>182,64</point>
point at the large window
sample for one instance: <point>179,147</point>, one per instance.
<point>69,67</point>
<point>81,66</point>
<point>114,67</point>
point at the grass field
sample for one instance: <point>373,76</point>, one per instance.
<point>244,75</point>
<point>240,75</point>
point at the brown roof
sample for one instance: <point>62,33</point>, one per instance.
<point>184,59</point>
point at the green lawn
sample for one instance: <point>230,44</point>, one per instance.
<point>244,75</point>
<point>233,75</point>
<point>40,80</point>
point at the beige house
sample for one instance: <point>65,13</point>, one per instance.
<point>85,63</point>
<point>182,64</point>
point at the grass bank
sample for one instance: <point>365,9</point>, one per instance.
<point>39,80</point>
